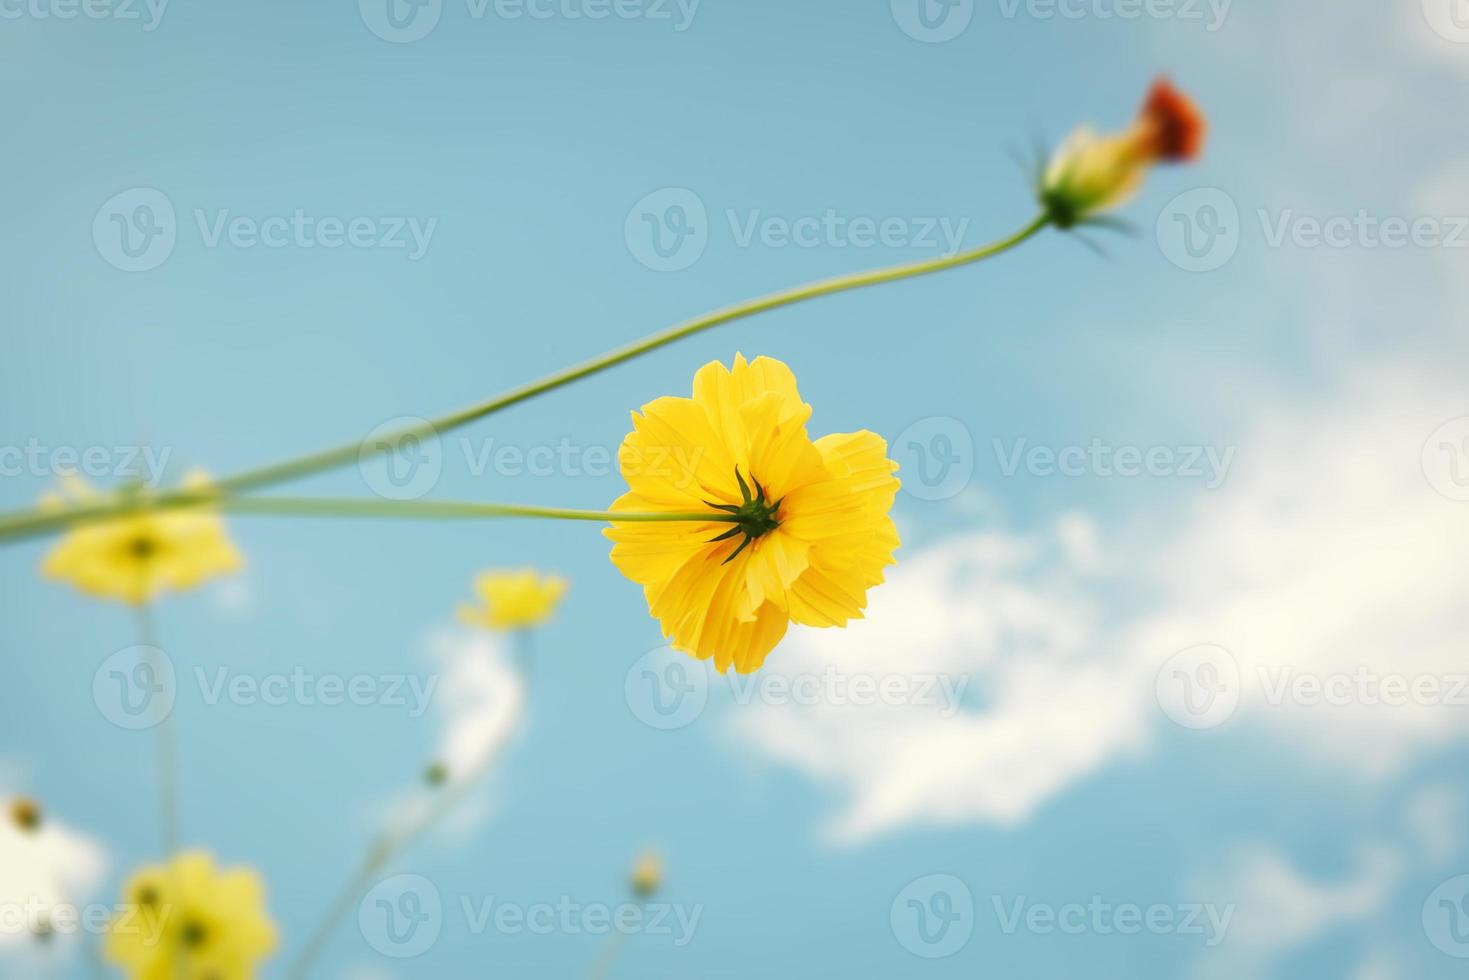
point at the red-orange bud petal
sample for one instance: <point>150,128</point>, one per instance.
<point>1174,123</point>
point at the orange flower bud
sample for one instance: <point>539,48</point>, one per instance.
<point>1092,173</point>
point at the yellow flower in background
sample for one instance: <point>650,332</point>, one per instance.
<point>134,558</point>
<point>189,920</point>
<point>647,874</point>
<point>514,600</point>
<point>813,532</point>
<point>1092,173</point>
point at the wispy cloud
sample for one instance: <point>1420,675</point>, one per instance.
<point>1279,907</point>
<point>1327,560</point>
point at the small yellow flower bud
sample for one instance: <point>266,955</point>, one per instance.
<point>25,814</point>
<point>647,874</point>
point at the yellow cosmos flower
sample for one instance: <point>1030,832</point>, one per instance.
<point>189,920</point>
<point>514,600</point>
<point>813,532</point>
<point>134,558</point>
<point>1092,173</point>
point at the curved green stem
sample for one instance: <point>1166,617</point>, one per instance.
<point>26,523</point>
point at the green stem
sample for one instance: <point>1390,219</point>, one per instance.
<point>166,745</point>
<point>343,507</point>
<point>602,965</point>
<point>17,525</point>
<point>450,510</point>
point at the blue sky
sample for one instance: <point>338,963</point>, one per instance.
<point>1297,375</point>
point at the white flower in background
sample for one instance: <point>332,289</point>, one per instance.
<point>45,866</point>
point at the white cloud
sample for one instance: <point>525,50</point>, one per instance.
<point>1327,554</point>
<point>1010,611</point>
<point>1278,907</point>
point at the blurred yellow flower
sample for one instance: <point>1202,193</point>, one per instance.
<point>189,920</point>
<point>133,558</point>
<point>813,532</point>
<point>514,600</point>
<point>647,874</point>
<point>1091,173</point>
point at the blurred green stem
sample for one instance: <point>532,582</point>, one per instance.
<point>17,525</point>
<point>608,955</point>
<point>166,745</point>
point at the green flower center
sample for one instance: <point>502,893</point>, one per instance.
<point>754,518</point>
<point>193,934</point>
